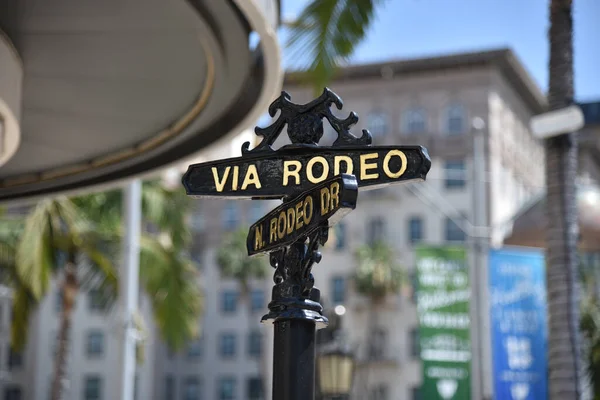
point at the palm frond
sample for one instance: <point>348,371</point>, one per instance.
<point>327,32</point>
<point>171,283</point>
<point>377,274</point>
<point>166,209</point>
<point>36,253</point>
<point>22,305</point>
<point>234,262</point>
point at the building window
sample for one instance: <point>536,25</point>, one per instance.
<point>92,387</point>
<point>377,347</point>
<point>15,359</point>
<point>255,389</point>
<point>191,389</point>
<point>340,236</point>
<point>254,344</point>
<point>96,300</point>
<point>414,121</point>
<point>415,229</point>
<point>414,343</point>
<point>256,211</point>
<point>377,123</point>
<point>416,393</point>
<point>414,279</point>
<point>379,392</point>
<point>194,351</point>
<point>197,221</point>
<point>95,344</point>
<point>12,392</point>
<point>169,387</point>
<point>59,301</point>
<point>454,233</point>
<point>197,256</point>
<point>230,215</point>
<point>257,300</point>
<point>229,299</point>
<point>455,172</point>
<point>375,230</point>
<point>338,290</point>
<point>136,387</point>
<point>455,119</point>
<point>227,388</point>
<point>227,345</point>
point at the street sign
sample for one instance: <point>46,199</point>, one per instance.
<point>557,122</point>
<point>318,185</point>
<point>297,168</point>
<point>324,204</point>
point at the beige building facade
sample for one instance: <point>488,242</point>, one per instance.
<point>426,101</point>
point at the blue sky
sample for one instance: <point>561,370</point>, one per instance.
<point>413,28</point>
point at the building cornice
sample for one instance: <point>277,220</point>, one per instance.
<point>503,59</point>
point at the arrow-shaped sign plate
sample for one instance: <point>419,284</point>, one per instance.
<point>297,168</point>
<point>327,202</point>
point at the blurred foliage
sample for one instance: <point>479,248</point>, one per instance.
<point>234,262</point>
<point>326,33</point>
<point>377,274</point>
<point>590,323</point>
<point>33,250</point>
<point>54,230</point>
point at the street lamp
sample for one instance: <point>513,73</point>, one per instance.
<point>336,370</point>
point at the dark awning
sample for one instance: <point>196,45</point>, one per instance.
<point>109,89</point>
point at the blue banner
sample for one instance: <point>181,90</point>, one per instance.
<point>518,322</point>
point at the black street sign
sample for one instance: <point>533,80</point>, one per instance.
<point>318,185</point>
<point>324,204</point>
<point>297,168</point>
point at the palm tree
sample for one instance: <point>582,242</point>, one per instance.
<point>377,276</point>
<point>234,263</point>
<point>326,33</point>
<point>78,239</point>
<point>57,237</point>
<point>564,361</point>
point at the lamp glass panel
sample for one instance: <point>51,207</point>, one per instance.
<point>335,374</point>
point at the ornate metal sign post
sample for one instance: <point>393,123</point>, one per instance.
<point>318,185</point>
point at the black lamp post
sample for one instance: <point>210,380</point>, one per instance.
<point>336,372</point>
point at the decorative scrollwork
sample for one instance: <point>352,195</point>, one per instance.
<point>305,123</point>
<point>294,281</point>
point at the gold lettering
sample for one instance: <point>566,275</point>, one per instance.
<point>288,172</point>
<point>309,169</point>
<point>364,167</point>
<point>337,160</point>
<point>299,214</point>
<point>251,178</point>
<point>220,185</point>
<point>325,197</point>
<point>258,239</point>
<point>236,174</point>
<point>335,195</point>
<point>307,209</point>
<point>290,220</point>
<point>281,223</point>
<point>273,230</point>
<point>386,164</point>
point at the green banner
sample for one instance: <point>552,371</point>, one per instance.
<point>443,309</point>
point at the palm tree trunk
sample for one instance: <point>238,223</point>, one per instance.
<point>561,172</point>
<point>69,291</point>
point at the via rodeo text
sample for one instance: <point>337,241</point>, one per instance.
<point>293,170</point>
